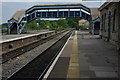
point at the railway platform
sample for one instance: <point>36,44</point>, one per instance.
<point>85,57</point>
<point>11,37</point>
<point>17,63</point>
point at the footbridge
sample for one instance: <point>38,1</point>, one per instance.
<point>49,11</point>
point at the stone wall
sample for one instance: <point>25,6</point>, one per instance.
<point>109,22</point>
<point>23,41</point>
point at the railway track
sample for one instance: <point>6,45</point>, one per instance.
<point>14,53</point>
<point>37,68</point>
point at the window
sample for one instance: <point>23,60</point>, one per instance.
<point>33,15</point>
<point>77,13</point>
<point>49,14</point>
<point>60,13</point>
<point>43,14</point>
<point>65,13</point>
<point>114,20</point>
<point>109,20</point>
<point>104,21</point>
<point>83,14</point>
<point>38,14</point>
<point>54,14</point>
<point>71,13</point>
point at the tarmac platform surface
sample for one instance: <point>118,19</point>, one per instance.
<point>85,56</point>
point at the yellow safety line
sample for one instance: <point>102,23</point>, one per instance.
<point>73,70</point>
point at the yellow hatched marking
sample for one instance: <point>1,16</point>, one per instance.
<point>73,70</point>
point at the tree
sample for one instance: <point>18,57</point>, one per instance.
<point>42,24</point>
<point>32,25</point>
<point>54,24</point>
<point>48,24</point>
<point>63,23</point>
<point>72,22</point>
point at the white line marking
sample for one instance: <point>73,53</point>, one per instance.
<point>53,64</point>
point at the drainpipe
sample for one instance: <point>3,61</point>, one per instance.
<point>119,28</point>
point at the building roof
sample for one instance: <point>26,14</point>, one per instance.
<point>96,20</point>
<point>113,0</point>
<point>104,5</point>
<point>18,14</point>
<point>82,20</point>
<point>55,5</point>
<point>61,5</point>
<point>95,13</point>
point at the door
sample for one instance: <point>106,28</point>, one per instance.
<point>96,27</point>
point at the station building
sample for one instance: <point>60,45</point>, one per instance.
<point>95,21</point>
<point>96,26</point>
<point>12,22</point>
<point>110,22</point>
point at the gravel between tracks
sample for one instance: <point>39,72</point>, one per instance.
<point>15,64</point>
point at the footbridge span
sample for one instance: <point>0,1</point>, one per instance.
<point>49,11</point>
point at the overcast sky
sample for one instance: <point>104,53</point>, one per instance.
<point>9,7</point>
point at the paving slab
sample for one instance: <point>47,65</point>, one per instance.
<point>97,58</point>
<point>60,69</point>
<point>103,74</point>
<point>104,69</point>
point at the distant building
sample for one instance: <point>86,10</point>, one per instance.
<point>14,20</point>
<point>110,22</point>
<point>96,26</point>
<point>95,13</point>
<point>84,24</point>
